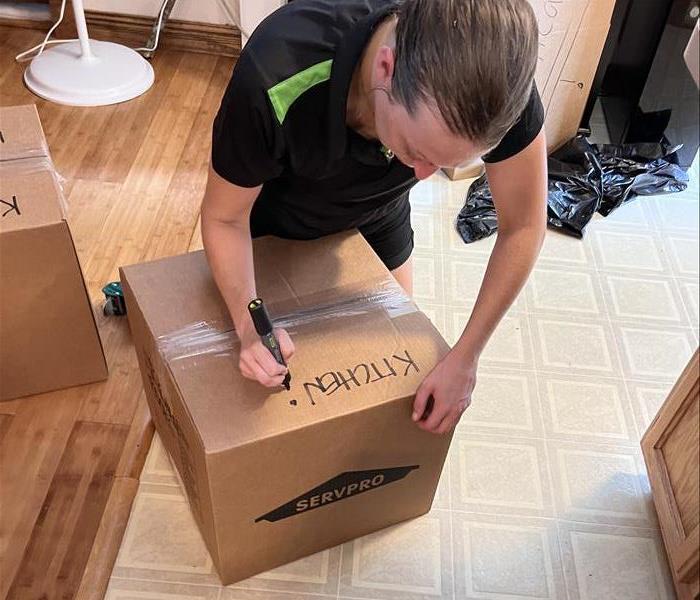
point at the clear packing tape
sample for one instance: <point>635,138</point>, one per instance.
<point>40,150</point>
<point>21,134</point>
<point>26,169</point>
<point>212,338</point>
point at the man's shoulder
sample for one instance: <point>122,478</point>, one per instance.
<point>302,34</point>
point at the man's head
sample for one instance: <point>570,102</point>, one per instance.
<point>454,78</point>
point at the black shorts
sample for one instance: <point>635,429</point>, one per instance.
<point>388,232</point>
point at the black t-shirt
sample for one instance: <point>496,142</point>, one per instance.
<point>282,119</point>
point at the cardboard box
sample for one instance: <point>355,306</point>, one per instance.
<point>474,170</point>
<point>21,135</point>
<point>47,327</point>
<point>692,53</point>
<point>572,36</point>
<point>273,476</point>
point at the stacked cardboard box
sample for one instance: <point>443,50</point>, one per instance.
<point>48,335</point>
<point>572,36</point>
<point>274,475</point>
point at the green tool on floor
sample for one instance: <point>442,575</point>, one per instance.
<point>114,296</point>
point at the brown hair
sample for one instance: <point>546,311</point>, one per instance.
<point>475,59</point>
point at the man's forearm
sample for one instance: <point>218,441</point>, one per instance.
<point>230,255</point>
<point>511,262</point>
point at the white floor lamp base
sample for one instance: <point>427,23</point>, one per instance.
<point>113,74</point>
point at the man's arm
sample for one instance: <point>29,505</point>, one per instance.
<point>519,189</point>
<point>226,235</point>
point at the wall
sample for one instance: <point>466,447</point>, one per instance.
<point>254,11</point>
<point>187,10</point>
<point>247,13</point>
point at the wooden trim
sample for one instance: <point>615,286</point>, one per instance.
<point>40,24</point>
<point>108,538</point>
<point>110,532</point>
<point>133,30</point>
<point>187,36</point>
<point>681,390</point>
<point>681,545</point>
<point>687,557</point>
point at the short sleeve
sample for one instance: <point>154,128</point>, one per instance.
<point>522,133</point>
<point>247,142</point>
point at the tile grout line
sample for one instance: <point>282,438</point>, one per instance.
<point>452,534</point>
<point>693,321</point>
<point>553,494</point>
<point>622,359</point>
<point>568,584</point>
<point>617,349</point>
<point>619,352</point>
<point>222,588</point>
<point>339,571</point>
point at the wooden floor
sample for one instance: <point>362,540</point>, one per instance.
<point>134,176</point>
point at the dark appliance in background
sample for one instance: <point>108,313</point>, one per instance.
<point>645,89</point>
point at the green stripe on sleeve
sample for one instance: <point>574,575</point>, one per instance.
<point>286,92</point>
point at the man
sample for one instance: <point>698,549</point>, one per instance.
<point>335,109</point>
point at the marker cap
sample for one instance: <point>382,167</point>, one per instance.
<point>261,320</point>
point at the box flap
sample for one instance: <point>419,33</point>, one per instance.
<point>345,362</point>
<point>178,291</point>
<point>21,135</point>
<point>29,195</point>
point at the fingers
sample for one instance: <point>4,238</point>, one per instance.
<point>448,423</point>
<point>444,417</point>
<point>245,369</point>
<point>266,361</point>
<point>286,344</point>
<point>439,412</point>
<point>453,416</point>
<point>252,370</point>
<point>421,402</point>
<point>257,363</point>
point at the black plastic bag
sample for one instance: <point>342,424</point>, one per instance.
<point>584,178</point>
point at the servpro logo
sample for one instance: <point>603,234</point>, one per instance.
<point>345,485</point>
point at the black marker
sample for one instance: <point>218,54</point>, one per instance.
<point>263,326</point>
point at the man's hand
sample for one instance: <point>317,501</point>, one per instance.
<point>257,363</point>
<point>519,188</point>
<point>226,235</point>
<point>446,393</point>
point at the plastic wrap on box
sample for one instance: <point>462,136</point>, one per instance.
<point>207,337</point>
<point>28,168</point>
<point>21,135</point>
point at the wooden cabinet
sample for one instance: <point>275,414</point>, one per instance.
<point>671,452</point>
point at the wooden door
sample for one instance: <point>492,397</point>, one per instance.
<point>671,452</point>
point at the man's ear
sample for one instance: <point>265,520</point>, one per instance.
<point>384,63</point>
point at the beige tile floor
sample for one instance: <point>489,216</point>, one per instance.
<point>545,494</point>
